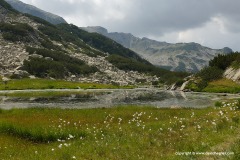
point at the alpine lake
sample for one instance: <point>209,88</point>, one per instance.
<point>106,98</point>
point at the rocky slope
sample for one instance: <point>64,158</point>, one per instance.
<point>32,10</point>
<point>190,57</point>
<point>233,74</point>
<point>18,31</point>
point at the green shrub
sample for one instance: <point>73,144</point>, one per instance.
<point>210,73</point>
<point>21,29</point>
<point>59,67</point>
<point>16,32</point>
<point>202,84</point>
<point>41,67</point>
<point>218,104</point>
<point>179,82</point>
<point>52,32</point>
<point>224,61</point>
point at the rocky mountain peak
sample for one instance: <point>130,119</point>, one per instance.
<point>227,50</point>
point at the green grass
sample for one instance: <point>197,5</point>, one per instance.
<point>48,94</point>
<point>127,132</point>
<point>22,84</point>
<point>223,86</point>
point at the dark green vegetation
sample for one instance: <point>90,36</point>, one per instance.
<point>210,79</point>
<point>57,65</point>
<point>17,32</point>
<point>130,132</point>
<point>22,84</point>
<point>224,61</point>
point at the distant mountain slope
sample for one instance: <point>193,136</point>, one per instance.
<point>190,57</point>
<point>32,10</point>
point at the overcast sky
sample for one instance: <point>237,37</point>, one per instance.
<point>213,23</point>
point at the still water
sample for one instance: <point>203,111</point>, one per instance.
<point>109,98</point>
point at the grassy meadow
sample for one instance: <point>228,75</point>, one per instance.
<point>21,84</point>
<point>125,132</point>
<point>223,86</point>
<point>217,86</point>
<point>52,93</point>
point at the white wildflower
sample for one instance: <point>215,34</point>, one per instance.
<point>60,146</point>
<point>221,113</point>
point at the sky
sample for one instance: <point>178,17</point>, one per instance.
<point>212,23</point>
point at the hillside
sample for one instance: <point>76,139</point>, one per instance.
<point>189,57</point>
<point>31,46</point>
<point>222,75</point>
<point>32,10</point>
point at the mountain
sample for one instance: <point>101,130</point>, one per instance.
<point>32,10</point>
<point>189,57</point>
<point>31,46</point>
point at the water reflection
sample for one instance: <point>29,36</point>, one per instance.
<point>108,98</point>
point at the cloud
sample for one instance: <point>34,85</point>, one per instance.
<point>174,20</point>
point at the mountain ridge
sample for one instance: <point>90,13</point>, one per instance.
<point>190,57</point>
<point>32,10</point>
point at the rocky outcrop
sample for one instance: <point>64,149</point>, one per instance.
<point>233,74</point>
<point>183,87</point>
<point>13,54</point>
<point>190,57</point>
<point>11,57</point>
<point>109,74</point>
